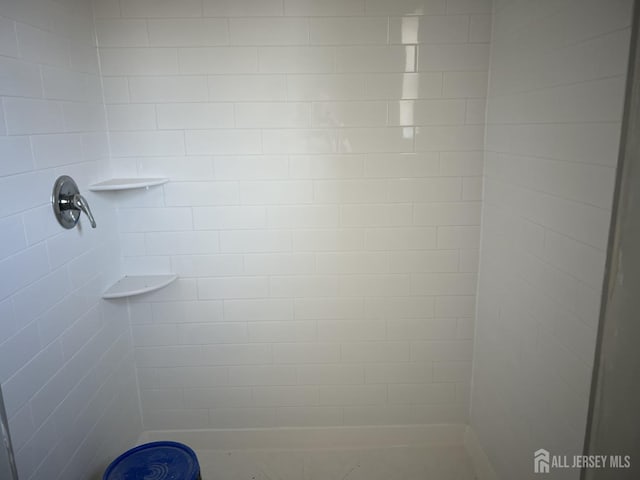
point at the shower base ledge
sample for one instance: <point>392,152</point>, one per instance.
<point>376,441</point>
<point>313,437</point>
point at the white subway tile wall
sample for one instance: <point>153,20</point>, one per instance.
<point>66,357</point>
<point>555,101</point>
<point>323,211</point>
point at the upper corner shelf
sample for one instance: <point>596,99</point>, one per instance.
<point>126,184</point>
<point>130,286</point>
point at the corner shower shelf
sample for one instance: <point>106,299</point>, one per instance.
<point>132,285</point>
<point>126,184</point>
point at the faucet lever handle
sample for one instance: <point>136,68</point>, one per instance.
<point>80,202</point>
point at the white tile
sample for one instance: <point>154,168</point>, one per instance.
<point>303,286</point>
<point>349,114</point>
<point>179,243</point>
<point>350,30</point>
<point>420,262</point>
<point>453,57</point>
<point>178,116</point>
<point>279,264</point>
<point>472,188</point>
<point>353,395</point>
<point>212,218</point>
<point>12,235</point>
<point>179,312</point>
<point>429,29</point>
<point>428,112</point>
<point>116,90</point>
<point>299,141</point>
<point>351,330</point>
<point>41,46</point>
<point>223,142</point>
<point>28,380</point>
<point>251,167</point>
<point>258,309</point>
<point>468,6</point>
<point>138,61</point>
<point>161,89</point>
<point>270,332</point>
<point>458,237</point>
<point>400,239</point>
<point>16,155</point>
<point>278,193</point>
<point>394,373</point>
<point>29,187</point>
<point>375,352</point>
<point>131,117</point>
<point>268,31</point>
<point>326,240</point>
<point>321,166</point>
<point>361,140</point>
<point>375,215</point>
<point>62,84</point>
<point>404,86</point>
<point>303,216</point>
<point>302,353</point>
<point>113,32</point>
<point>458,350</point>
<point>237,355</point>
<point>155,219</point>
<point>461,163</point>
<point>18,350</point>
<point>267,115</point>
<point>328,308</point>
<point>422,329</point>
<point>185,194</point>
<point>463,213</point>
<point>221,397</point>
<point>298,59</point>
<point>330,374</point>
<point>153,8</point>
<point>247,88</point>
<point>207,265</point>
<point>27,116</point>
<point>8,38</point>
<point>480,28</point>
<point>55,150</point>
<point>402,165</point>
<point>405,7</point>
<point>349,262</point>
<point>465,84</point>
<point>212,333</point>
<point>241,8</point>
<point>20,78</point>
<point>324,87</point>
<point>132,144</point>
<point>375,59</point>
<point>187,32</point>
<point>323,8</point>
<point>285,396</point>
<point>449,138</point>
<point>177,168</point>
<point>218,60</point>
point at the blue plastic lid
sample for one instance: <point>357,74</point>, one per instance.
<point>155,461</point>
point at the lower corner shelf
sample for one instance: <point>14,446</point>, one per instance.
<point>131,285</point>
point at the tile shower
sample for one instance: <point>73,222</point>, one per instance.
<point>326,163</point>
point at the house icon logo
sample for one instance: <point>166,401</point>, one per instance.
<point>541,461</point>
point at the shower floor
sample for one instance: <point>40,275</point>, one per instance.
<point>392,463</point>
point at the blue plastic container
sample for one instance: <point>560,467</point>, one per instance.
<point>155,461</point>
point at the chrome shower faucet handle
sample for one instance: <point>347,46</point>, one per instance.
<point>68,203</point>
